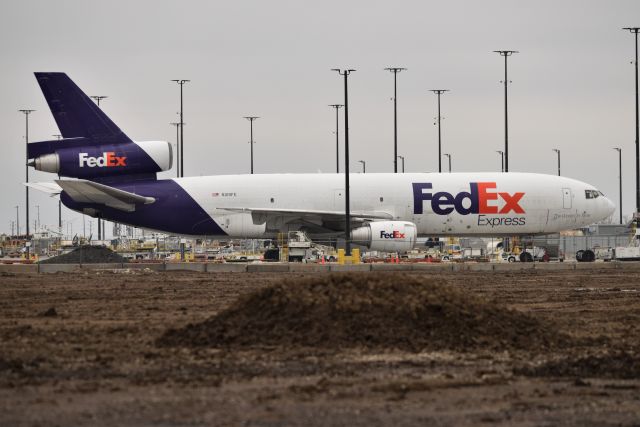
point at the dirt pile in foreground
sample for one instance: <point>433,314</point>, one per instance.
<point>87,255</point>
<point>363,310</point>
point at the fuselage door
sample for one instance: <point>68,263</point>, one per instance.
<point>566,198</point>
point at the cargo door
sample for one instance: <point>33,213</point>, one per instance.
<point>566,198</point>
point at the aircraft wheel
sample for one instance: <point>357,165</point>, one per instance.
<point>589,256</point>
<point>526,257</point>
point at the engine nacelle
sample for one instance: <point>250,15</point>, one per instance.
<point>104,160</point>
<point>386,236</point>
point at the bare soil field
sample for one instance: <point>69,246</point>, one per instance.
<point>259,349</point>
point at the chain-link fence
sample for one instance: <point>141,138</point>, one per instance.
<point>569,245</point>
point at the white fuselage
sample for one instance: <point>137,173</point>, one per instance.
<point>503,204</point>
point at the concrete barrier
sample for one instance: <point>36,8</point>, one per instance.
<point>185,266</point>
<point>19,268</point>
<point>268,268</point>
<point>485,266</point>
<point>627,265</point>
<point>595,266</point>
<point>513,266</point>
<point>308,268</point>
<point>390,267</point>
<point>59,268</point>
<point>101,266</point>
<point>459,267</point>
<point>318,268</point>
<point>236,267</point>
<point>156,266</point>
<point>556,266</point>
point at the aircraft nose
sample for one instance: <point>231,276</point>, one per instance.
<point>610,207</point>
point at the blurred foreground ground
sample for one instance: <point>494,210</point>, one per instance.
<point>81,350</point>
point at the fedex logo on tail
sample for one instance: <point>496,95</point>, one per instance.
<point>482,198</point>
<point>107,160</point>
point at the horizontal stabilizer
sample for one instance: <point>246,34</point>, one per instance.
<point>46,187</point>
<point>82,191</point>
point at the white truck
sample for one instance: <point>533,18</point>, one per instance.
<point>630,252</point>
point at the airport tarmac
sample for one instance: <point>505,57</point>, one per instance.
<point>82,349</point>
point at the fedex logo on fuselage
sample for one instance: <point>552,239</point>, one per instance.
<point>107,160</point>
<point>481,199</point>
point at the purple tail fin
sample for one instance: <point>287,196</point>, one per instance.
<point>75,113</point>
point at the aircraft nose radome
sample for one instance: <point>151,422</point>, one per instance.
<point>610,207</point>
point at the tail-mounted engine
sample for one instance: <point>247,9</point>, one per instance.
<point>70,158</point>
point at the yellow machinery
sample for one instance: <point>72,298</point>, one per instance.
<point>353,259</point>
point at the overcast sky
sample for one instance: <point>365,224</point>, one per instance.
<point>572,83</point>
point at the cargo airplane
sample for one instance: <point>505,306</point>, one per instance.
<point>114,177</point>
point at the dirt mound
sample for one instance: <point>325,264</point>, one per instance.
<point>620,365</point>
<point>369,311</point>
<point>87,255</point>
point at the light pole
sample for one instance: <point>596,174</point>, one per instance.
<point>17,220</point>
<point>634,30</point>
<point>557,151</point>
<point>181,82</point>
<point>364,166</point>
<point>251,119</point>
<point>38,222</point>
<point>337,107</point>
<point>402,157</point>
<point>501,159</point>
<point>101,227</point>
<point>347,229</point>
<point>439,92</point>
<point>395,71</point>
<point>449,156</point>
<point>619,150</point>
<point>59,137</point>
<point>177,125</point>
<point>26,138</point>
<point>506,54</point>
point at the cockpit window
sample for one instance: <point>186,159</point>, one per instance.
<point>592,194</point>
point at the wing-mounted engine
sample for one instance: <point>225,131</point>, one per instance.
<point>386,236</point>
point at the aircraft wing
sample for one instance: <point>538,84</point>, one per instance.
<point>318,220</point>
<point>307,212</point>
<point>83,191</point>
